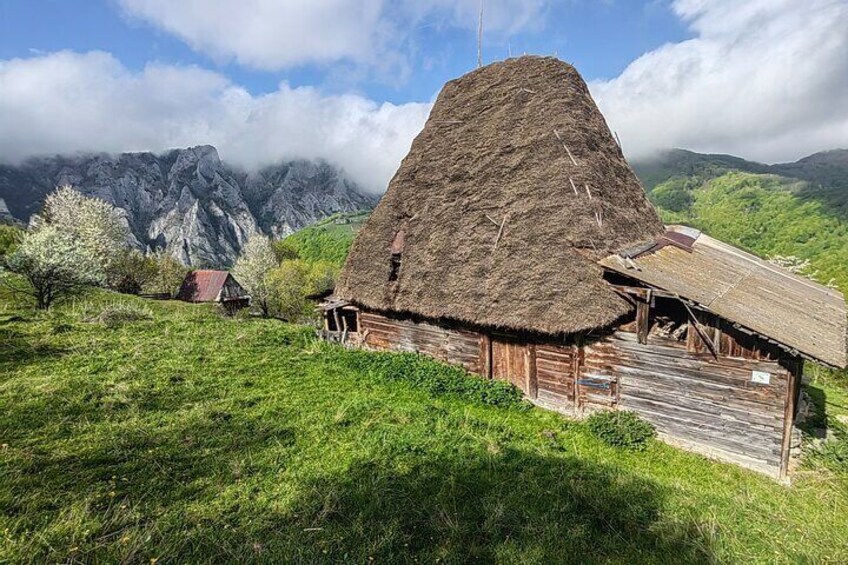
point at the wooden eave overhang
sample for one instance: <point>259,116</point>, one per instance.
<point>798,314</point>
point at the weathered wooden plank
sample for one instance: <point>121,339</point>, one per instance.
<point>628,342</point>
<point>643,309</point>
<point>695,369</point>
<point>768,454</point>
<point>556,399</point>
<point>532,379</point>
<point>708,408</point>
<point>692,424</point>
<point>554,366</point>
<point>559,388</point>
<point>637,379</point>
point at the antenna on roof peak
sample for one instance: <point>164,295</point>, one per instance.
<point>480,37</point>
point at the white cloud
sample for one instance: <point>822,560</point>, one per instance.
<point>765,79</point>
<point>69,102</point>
<point>278,34</point>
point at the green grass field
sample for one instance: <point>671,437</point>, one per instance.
<point>187,437</point>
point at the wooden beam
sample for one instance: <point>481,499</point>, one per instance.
<point>338,321</point>
<point>485,356</point>
<point>792,390</point>
<point>576,367</point>
<point>532,380</point>
<point>643,311</point>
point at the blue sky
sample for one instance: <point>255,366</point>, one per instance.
<point>600,38</point>
<point>352,81</point>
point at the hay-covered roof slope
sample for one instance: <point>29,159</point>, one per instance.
<point>518,144</point>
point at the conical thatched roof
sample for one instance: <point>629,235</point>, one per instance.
<point>519,144</point>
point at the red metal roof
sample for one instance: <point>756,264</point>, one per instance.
<point>202,286</point>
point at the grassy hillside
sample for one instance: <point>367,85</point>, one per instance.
<point>763,213</point>
<point>183,437</point>
<point>328,240</point>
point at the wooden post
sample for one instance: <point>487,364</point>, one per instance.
<point>576,367</point>
<point>344,329</point>
<point>532,381</point>
<point>792,390</point>
<point>485,356</point>
<point>338,321</point>
<point>643,310</point>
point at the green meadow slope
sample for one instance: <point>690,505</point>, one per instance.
<point>328,240</point>
<point>173,434</point>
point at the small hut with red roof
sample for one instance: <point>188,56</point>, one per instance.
<point>214,286</point>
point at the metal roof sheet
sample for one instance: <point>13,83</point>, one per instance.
<point>202,286</point>
<point>745,289</point>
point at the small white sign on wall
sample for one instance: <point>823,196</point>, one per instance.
<point>760,377</point>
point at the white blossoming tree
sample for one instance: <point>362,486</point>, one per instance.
<point>92,222</point>
<point>72,244</point>
<point>252,268</point>
<point>50,265</point>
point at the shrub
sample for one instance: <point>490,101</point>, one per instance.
<point>169,274</point>
<point>288,285</point>
<point>10,237</point>
<point>131,271</point>
<point>431,376</point>
<point>285,250</point>
<point>621,428</point>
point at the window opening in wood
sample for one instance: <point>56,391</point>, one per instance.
<point>395,266</point>
<point>349,320</point>
<point>668,319</point>
<point>397,252</point>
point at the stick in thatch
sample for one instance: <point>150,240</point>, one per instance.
<point>570,156</point>
<point>573,186</point>
<point>500,231</point>
<point>589,192</point>
<point>491,220</point>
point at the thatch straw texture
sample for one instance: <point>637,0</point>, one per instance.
<point>509,195</point>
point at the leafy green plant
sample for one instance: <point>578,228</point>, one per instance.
<point>431,376</point>
<point>10,237</point>
<point>621,428</point>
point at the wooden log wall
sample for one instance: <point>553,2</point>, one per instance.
<point>695,400</point>
<point>450,345</point>
<point>702,403</point>
<point>556,367</point>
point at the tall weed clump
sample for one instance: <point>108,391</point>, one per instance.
<point>431,376</point>
<point>621,428</point>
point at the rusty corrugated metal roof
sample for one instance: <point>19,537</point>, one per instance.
<point>202,286</point>
<point>745,289</point>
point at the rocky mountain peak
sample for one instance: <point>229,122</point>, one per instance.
<point>187,201</point>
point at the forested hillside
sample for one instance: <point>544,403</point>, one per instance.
<point>796,209</point>
<point>328,240</point>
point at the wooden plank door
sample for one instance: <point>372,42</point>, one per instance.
<point>514,362</point>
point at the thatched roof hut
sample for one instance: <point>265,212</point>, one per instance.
<point>506,200</point>
<point>516,242</point>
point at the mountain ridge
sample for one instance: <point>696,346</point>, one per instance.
<point>187,201</point>
<point>823,167</point>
